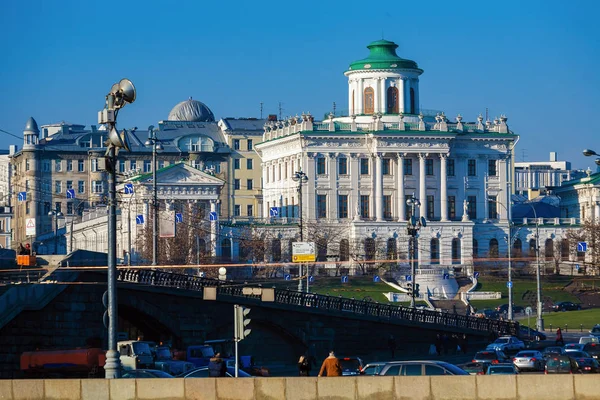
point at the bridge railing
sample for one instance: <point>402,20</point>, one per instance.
<point>323,302</point>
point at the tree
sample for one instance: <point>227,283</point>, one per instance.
<point>589,233</point>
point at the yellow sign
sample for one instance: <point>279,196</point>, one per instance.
<point>303,252</point>
<point>304,258</point>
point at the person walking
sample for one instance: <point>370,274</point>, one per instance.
<point>559,337</point>
<point>217,367</point>
<point>304,366</point>
<point>331,366</point>
<point>392,345</point>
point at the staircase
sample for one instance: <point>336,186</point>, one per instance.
<point>455,305</point>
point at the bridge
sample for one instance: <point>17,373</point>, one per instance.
<point>66,311</point>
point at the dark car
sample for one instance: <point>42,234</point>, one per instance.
<point>593,349</point>
<point>502,369</point>
<point>502,309</point>
<point>421,368</point>
<point>351,365</point>
<point>491,356</point>
<point>553,351</point>
<point>588,365</point>
<point>475,368</point>
<point>530,333</point>
<point>561,365</point>
<point>202,372</point>
<point>146,373</point>
<point>566,306</point>
<point>373,368</point>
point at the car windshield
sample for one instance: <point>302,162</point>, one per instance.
<point>140,348</point>
<point>553,350</point>
<point>558,363</point>
<point>525,354</point>
<point>485,355</point>
<point>502,341</point>
<point>163,353</point>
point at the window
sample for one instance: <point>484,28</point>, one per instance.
<point>342,206</point>
<point>81,187</point>
<point>472,207</point>
<point>249,164</point>
<point>343,166</point>
<point>46,208</point>
<point>413,109</point>
<point>122,166</point>
<point>250,210</point>
<point>429,166</point>
<point>517,249</point>
<point>369,248</point>
<point>57,186</point>
<point>392,100</point>
<point>549,249</point>
<point>236,164</point>
<point>434,370</point>
<point>26,184</point>
<point>69,208</point>
<point>344,250</point>
<point>237,210</point>
<point>430,207</point>
<point>369,101</point>
<point>161,165</point>
<point>386,166</point>
<point>392,249</point>
<point>475,248</point>
<point>321,166</point>
<point>364,166</point>
<point>408,166</point>
<point>27,165</point>
<point>236,184</point>
<point>69,165</point>
<point>364,206</point>
<point>58,206</point>
<point>471,168</point>
<point>46,165</point>
<point>412,369</point>
<point>492,207</point>
<point>81,165</point>
<point>450,167</point>
<point>564,250</point>
<point>147,166</point>
<point>27,207</point>
<point>97,188</point>
<point>387,207</point>
<point>236,144</point>
<point>451,207</point>
<point>132,165</point>
<point>435,251</point>
<point>57,165</point>
<point>321,206</point>
<point>456,257</point>
<point>493,248</point>
<point>249,184</point>
<point>249,144</point>
<point>69,185</point>
<point>492,167</point>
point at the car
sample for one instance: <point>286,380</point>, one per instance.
<point>531,333</point>
<point>490,356</point>
<point>565,306</point>
<point>577,354</point>
<point>475,368</point>
<point>529,359</point>
<point>573,347</point>
<point>421,368</point>
<point>202,372</point>
<point>593,349</point>
<point>351,365</point>
<point>553,351</point>
<point>588,365</point>
<point>502,309</point>
<point>372,368</point>
<point>595,330</point>
<point>146,373</point>
<point>588,339</point>
<point>506,344</point>
<point>487,313</point>
<point>561,364</point>
<point>502,369</point>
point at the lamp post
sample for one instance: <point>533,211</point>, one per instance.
<point>120,94</point>
<point>156,146</point>
<point>413,225</point>
<point>301,178</point>
<point>55,215</point>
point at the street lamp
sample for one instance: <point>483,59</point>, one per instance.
<point>413,225</point>
<point>301,178</point>
<point>121,93</point>
<point>589,152</point>
<point>156,146</point>
<point>55,215</point>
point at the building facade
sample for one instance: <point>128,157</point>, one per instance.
<point>534,178</point>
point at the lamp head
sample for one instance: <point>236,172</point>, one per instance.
<point>118,140</point>
<point>589,152</point>
<point>597,161</point>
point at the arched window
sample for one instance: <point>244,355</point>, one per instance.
<point>456,256</point>
<point>532,246</point>
<point>276,250</point>
<point>517,249</point>
<point>475,248</point>
<point>369,249</point>
<point>321,250</point>
<point>352,112</point>
<point>344,250</point>
<point>226,250</point>
<point>435,251</point>
<point>493,248</point>
<point>564,250</point>
<point>369,101</point>
<point>549,249</point>
<point>392,252</point>
<point>392,100</point>
<point>412,101</point>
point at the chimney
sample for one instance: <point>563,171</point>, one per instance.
<point>272,117</point>
<point>12,149</point>
<point>553,156</point>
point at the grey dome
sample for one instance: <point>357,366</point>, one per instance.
<point>31,126</point>
<point>192,111</point>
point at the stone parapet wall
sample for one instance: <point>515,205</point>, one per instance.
<point>505,387</point>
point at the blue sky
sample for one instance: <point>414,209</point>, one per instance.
<point>535,61</point>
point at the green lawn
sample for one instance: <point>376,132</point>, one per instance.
<point>574,319</point>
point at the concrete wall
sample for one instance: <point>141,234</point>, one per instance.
<point>500,387</point>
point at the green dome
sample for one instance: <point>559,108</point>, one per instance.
<point>383,56</point>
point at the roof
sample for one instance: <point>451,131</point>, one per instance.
<point>244,124</point>
<point>31,126</point>
<point>592,179</point>
<point>383,56</point>
<point>542,210</point>
<point>191,110</point>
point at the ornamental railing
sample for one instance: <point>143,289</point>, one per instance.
<point>318,302</point>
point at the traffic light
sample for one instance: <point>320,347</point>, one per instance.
<point>409,288</point>
<point>416,290</point>
<point>242,322</point>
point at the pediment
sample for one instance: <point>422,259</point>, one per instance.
<point>180,174</point>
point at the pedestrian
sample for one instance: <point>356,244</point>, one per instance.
<point>331,366</point>
<point>392,345</point>
<point>27,249</point>
<point>445,343</point>
<point>559,337</point>
<point>438,344</point>
<point>21,250</point>
<point>216,366</point>
<point>464,343</point>
<point>304,366</point>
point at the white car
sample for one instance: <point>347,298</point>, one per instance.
<point>507,344</point>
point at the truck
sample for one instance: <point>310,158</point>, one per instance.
<point>135,354</point>
<point>75,363</point>
<point>164,361</point>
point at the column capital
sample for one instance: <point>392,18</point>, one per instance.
<point>310,155</point>
<point>333,155</point>
<point>400,156</point>
<point>423,155</point>
<point>354,156</point>
<point>444,156</point>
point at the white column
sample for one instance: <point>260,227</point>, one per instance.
<point>401,195</point>
<point>379,187</point>
<point>350,89</point>
<point>443,187</point>
<point>359,97</point>
<point>215,248</point>
<point>597,211</point>
<point>401,89</point>
<point>416,89</point>
<point>422,186</point>
<point>332,212</point>
<point>382,108</point>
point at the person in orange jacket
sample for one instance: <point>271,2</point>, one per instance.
<point>331,366</point>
